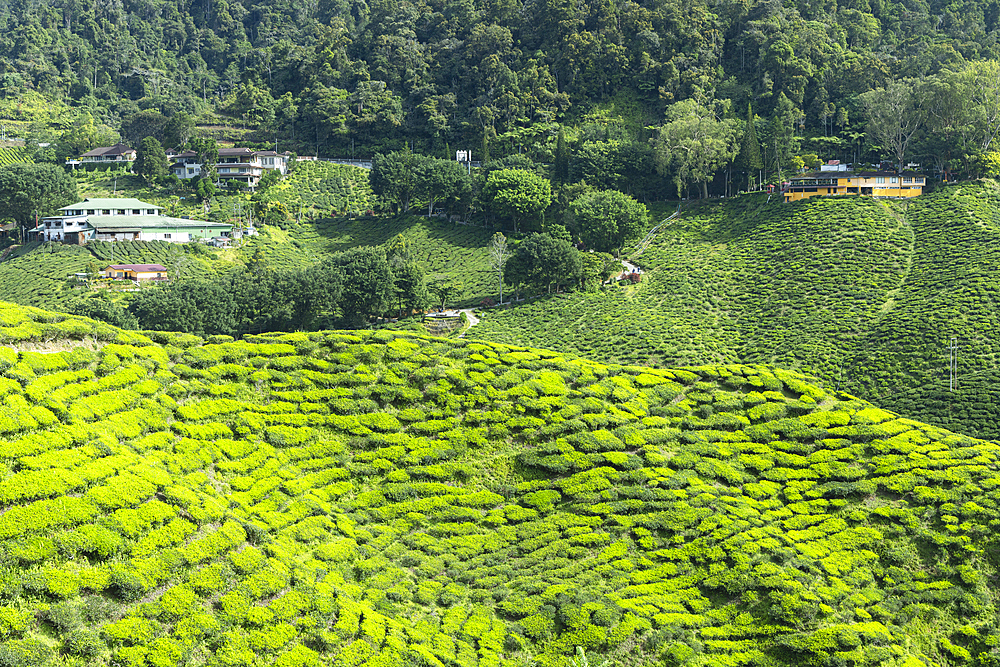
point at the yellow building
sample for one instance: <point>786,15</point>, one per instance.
<point>136,272</point>
<point>865,183</point>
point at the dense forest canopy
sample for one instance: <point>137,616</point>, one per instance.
<point>353,77</point>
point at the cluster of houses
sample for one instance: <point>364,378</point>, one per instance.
<point>122,219</point>
<point>244,165</point>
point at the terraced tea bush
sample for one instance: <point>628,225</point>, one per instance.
<point>846,289</point>
<point>510,504</point>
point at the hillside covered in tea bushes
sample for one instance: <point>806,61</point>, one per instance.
<point>383,498</point>
<point>863,294</point>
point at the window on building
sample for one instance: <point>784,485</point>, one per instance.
<point>121,211</point>
<point>892,180</point>
<point>136,211</point>
<point>166,236</point>
<point>919,180</point>
<point>106,212</point>
<point>190,171</point>
<point>880,180</point>
<point>90,212</point>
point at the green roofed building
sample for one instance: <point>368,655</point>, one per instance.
<point>123,219</point>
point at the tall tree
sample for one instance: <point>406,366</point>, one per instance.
<point>178,130</point>
<point>694,144</point>
<point>27,190</point>
<point>560,163</point>
<point>499,254</point>
<point>608,218</point>
<point>541,262</point>
<point>440,181</point>
<point>781,142</point>
<point>518,195</point>
<point>392,178</point>
<point>749,160</point>
<point>894,116</point>
<point>150,161</point>
<point>409,286</point>
<point>142,124</point>
<point>368,284</point>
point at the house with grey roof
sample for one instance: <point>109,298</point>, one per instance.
<point>106,155</point>
<point>123,219</point>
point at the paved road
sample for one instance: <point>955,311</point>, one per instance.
<point>630,267</point>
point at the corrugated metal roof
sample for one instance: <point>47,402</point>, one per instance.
<point>136,222</point>
<point>138,267</point>
<point>110,203</point>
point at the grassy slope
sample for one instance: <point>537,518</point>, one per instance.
<point>383,498</point>
<point>439,247</point>
<point>861,294</point>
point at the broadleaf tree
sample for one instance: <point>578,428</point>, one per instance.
<point>150,161</point>
<point>608,218</point>
<point>693,144</point>
<point>27,190</point>
<point>518,195</point>
<point>894,116</point>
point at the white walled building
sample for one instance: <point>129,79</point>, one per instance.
<point>122,219</point>
<point>235,164</point>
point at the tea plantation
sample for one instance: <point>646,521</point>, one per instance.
<point>41,274</point>
<point>381,498</point>
<point>860,293</point>
<point>324,189</point>
<point>437,246</point>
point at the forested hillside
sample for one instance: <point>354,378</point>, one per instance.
<point>353,78</point>
<point>390,499</point>
<point>863,294</point>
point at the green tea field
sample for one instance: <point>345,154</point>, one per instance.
<point>438,246</point>
<point>41,274</point>
<point>321,189</point>
<point>860,293</point>
<point>383,498</point>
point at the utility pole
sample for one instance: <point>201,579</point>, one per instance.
<point>953,364</point>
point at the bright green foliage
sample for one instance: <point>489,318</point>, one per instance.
<point>376,498</point>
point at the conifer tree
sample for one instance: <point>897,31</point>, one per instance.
<point>749,158</point>
<point>561,163</point>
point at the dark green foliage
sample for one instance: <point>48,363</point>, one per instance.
<point>27,190</point>
<point>607,219</point>
<point>540,261</point>
<point>150,160</point>
<point>191,305</point>
<point>367,283</point>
